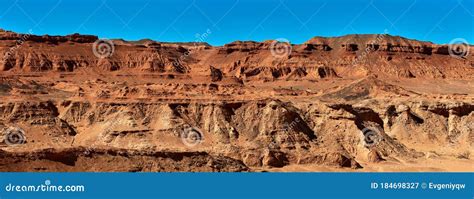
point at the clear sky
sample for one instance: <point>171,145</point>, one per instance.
<point>438,21</point>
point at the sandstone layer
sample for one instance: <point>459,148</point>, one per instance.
<point>352,103</point>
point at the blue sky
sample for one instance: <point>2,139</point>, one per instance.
<point>439,21</point>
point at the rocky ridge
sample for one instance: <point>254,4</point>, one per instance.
<point>351,102</point>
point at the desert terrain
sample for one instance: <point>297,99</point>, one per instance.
<point>362,103</point>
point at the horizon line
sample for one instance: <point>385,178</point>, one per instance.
<point>204,42</point>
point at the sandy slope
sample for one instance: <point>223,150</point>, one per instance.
<point>237,106</point>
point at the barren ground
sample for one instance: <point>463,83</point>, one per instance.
<point>325,106</point>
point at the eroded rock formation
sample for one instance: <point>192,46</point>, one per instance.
<point>352,102</point>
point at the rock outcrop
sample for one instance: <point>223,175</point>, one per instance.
<point>341,103</point>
